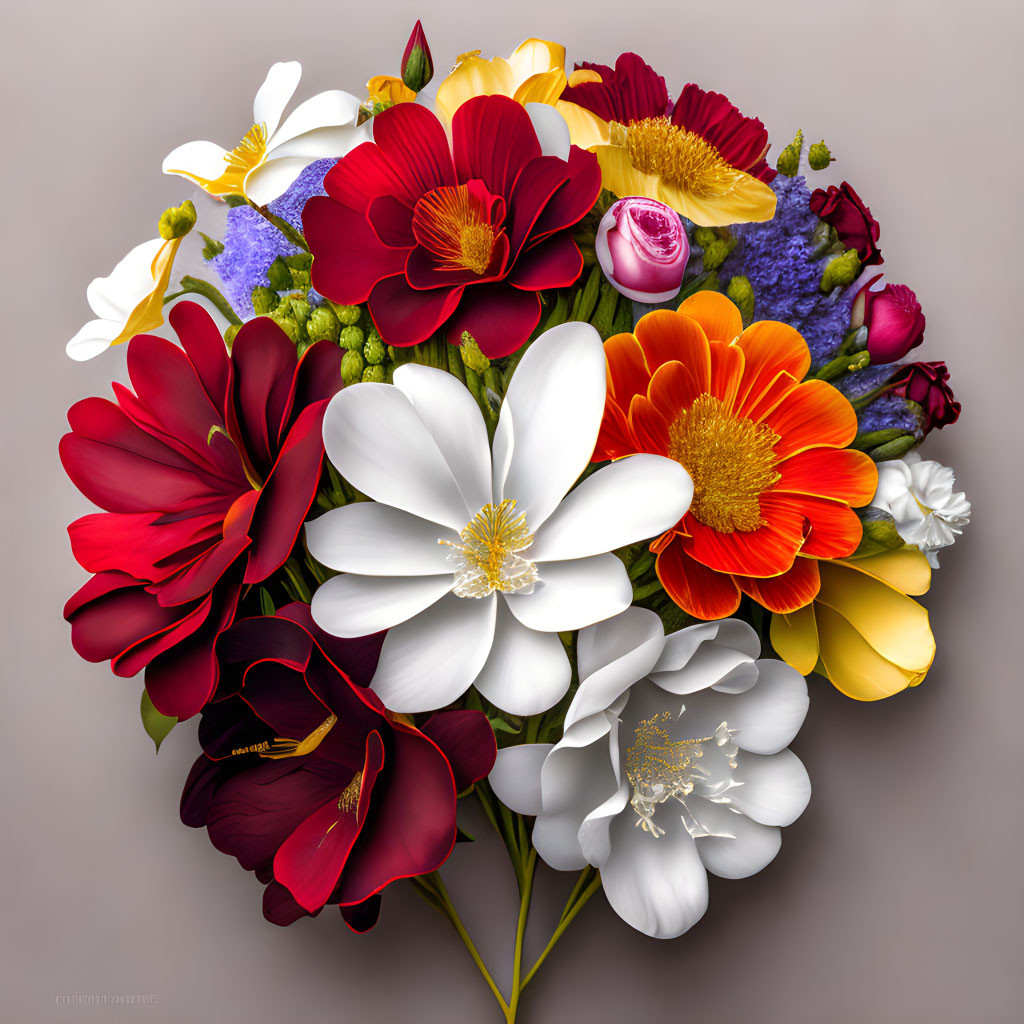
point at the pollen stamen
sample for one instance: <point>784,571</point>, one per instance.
<point>453,225</point>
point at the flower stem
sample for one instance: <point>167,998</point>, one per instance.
<point>197,286</point>
<point>282,225</point>
<point>524,910</point>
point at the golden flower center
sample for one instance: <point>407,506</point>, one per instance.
<point>486,557</point>
<point>349,799</point>
<point>249,153</point>
<point>453,224</point>
<point>731,461</point>
<point>680,157</point>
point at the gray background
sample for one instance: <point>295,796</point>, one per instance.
<point>896,897</point>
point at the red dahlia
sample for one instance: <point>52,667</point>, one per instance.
<point>207,472</point>
<point>463,237</point>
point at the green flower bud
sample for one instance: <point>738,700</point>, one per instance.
<point>177,221</point>
<point>741,292</point>
<point>264,300</point>
<point>819,156</point>
<point>471,354</point>
<point>352,338</point>
<point>704,236</point>
<point>212,248</point>
<point>300,310</point>
<point>299,261</point>
<point>279,275</point>
<point>374,375</point>
<point>417,65</point>
<point>351,367</point>
<point>288,325</point>
<point>893,449</point>
<point>841,271</point>
<point>323,325</point>
<point>347,316</point>
<point>229,334</point>
<point>789,159</point>
<point>716,252</point>
<point>374,351</point>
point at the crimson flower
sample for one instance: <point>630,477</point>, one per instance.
<point>461,238</point>
<point>844,210</point>
<point>206,473</point>
<point>927,384</point>
<point>310,782</point>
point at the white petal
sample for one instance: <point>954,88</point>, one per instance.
<point>711,663</point>
<point>377,442</point>
<point>551,128</point>
<point>574,594</point>
<point>273,178</point>
<point>595,832</point>
<point>454,421</point>
<point>612,656</point>
<point>775,787</point>
<point>681,645</point>
<point>273,95</point>
<point>432,659</point>
<point>378,540</point>
<point>556,398</point>
<point>770,714</point>
<point>659,886</point>
<point>515,777</point>
<point>556,839</point>
<point>331,109</point>
<point>631,500</point>
<point>196,159</point>
<point>526,672</point>
<point>353,606</point>
<point>92,339</point>
<point>115,296</point>
<point>753,848</point>
<point>325,142</point>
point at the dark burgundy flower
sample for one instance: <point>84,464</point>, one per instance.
<point>461,238</point>
<point>631,91</point>
<point>206,471</point>
<point>312,784</point>
<point>893,318</point>
<point>844,210</point>
<point>927,384</point>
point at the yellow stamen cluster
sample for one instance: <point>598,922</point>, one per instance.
<point>731,461</point>
<point>680,157</point>
<point>282,747</point>
<point>452,226</point>
<point>488,557</point>
<point>349,799</point>
<point>249,153</point>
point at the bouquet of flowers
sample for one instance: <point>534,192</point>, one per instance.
<point>527,439</point>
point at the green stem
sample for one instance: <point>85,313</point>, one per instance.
<point>294,573</point>
<point>517,962</point>
<point>196,286</point>
<point>567,918</point>
<point>639,593</point>
<point>581,882</point>
<point>293,236</point>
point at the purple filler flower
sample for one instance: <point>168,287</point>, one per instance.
<point>642,249</point>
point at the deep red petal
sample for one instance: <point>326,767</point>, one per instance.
<point>492,139</point>
<point>280,908</point>
<point>415,145</point>
<point>467,740</point>
<point>742,141</point>
<point>404,316</point>
<point>539,181</point>
<point>356,180</point>
<point>317,378</point>
<point>391,220</point>
<point>631,92</point>
<point>573,200</point>
<point>499,317</point>
<point>361,917</point>
<point>555,263</point>
<point>204,345</point>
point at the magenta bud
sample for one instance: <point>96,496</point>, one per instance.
<point>893,318</point>
<point>642,248</point>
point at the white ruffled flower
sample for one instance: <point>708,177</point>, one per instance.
<point>473,562</point>
<point>129,301</point>
<point>919,495</point>
<point>272,155</point>
<point>672,764</point>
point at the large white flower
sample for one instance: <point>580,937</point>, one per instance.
<point>475,563</point>
<point>672,764</point>
<point>272,155</point>
<point>129,301</point>
<point>919,495</point>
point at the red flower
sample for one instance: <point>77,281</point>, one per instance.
<point>206,472</point>
<point>312,784</point>
<point>461,238</point>
<point>893,318</point>
<point>844,210</point>
<point>928,385</point>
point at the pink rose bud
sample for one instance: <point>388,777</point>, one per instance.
<point>642,249</point>
<point>893,318</point>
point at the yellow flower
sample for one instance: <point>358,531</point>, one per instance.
<point>386,91</point>
<point>533,73</point>
<point>863,632</point>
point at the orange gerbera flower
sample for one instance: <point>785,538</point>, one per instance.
<point>767,452</point>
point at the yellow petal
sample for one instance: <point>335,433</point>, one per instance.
<point>473,76</point>
<point>544,87</point>
<point>149,313</point>
<point>388,89</point>
<point>795,639</point>
<point>535,57</point>
<point>586,129</point>
<point>618,174</point>
<point>748,200</point>
<point>906,569</point>
<point>583,75</point>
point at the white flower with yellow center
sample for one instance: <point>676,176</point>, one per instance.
<point>919,495</point>
<point>474,561</point>
<point>673,763</point>
<point>272,154</point>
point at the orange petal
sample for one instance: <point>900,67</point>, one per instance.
<point>627,370</point>
<point>843,474</point>
<point>666,336</point>
<point>726,372</point>
<point>718,316</point>
<point>787,593</point>
<point>813,414</point>
<point>756,407</point>
<point>834,531</point>
<point>614,439</point>
<point>770,346</point>
<point>695,588</point>
<point>649,429</point>
<point>673,388</point>
<point>766,551</point>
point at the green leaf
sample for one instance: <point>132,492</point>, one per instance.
<point>880,535</point>
<point>266,602</point>
<point>233,201</point>
<point>500,725</point>
<point>157,726</point>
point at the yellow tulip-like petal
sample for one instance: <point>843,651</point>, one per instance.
<point>863,630</point>
<point>545,87</point>
<point>586,129</point>
<point>149,313</point>
<point>386,90</point>
<point>536,57</point>
<point>583,75</point>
